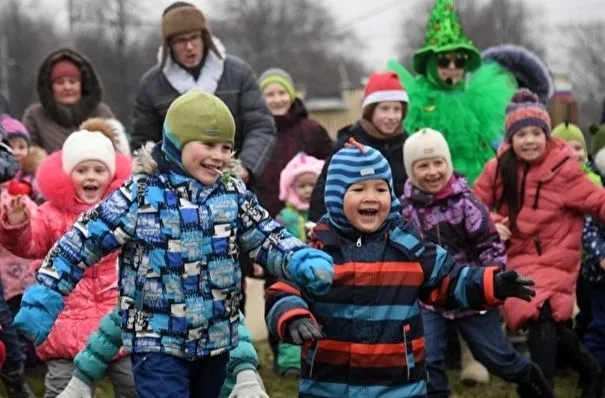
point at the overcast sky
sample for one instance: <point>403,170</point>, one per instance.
<point>377,21</point>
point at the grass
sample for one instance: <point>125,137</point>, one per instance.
<point>279,387</point>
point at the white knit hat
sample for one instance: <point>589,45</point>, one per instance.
<point>425,144</point>
<point>86,145</point>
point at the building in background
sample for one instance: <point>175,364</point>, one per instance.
<point>563,105</point>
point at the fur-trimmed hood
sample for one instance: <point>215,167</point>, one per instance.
<point>145,163</point>
<point>92,91</point>
<point>56,187</point>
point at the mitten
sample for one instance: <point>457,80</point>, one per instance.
<point>304,329</point>
<point>311,269</point>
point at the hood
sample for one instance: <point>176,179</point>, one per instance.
<point>56,187</point>
<point>301,163</point>
<point>457,185</point>
<point>297,112</point>
<point>92,92</point>
<point>149,160</point>
<point>31,162</point>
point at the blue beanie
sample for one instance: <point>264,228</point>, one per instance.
<point>349,166</point>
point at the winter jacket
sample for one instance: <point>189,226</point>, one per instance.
<point>555,194</point>
<point>90,365</point>
<point>374,336</point>
<point>392,150</point>
<point>239,90</point>
<point>8,163</point>
<point>459,222</point>
<point>48,122</point>
<point>15,272</point>
<point>593,240</point>
<point>294,221</point>
<point>295,133</point>
<point>180,282</point>
<point>97,293</point>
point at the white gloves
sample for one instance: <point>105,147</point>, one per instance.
<point>247,385</point>
<point>76,388</point>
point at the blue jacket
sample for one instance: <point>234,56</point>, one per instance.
<point>374,336</point>
<point>180,280</point>
<point>593,239</point>
<point>90,364</point>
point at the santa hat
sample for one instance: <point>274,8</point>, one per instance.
<point>382,87</point>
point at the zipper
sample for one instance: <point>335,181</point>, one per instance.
<point>538,245</point>
<point>315,348</point>
<point>537,195</point>
<point>438,235</point>
<point>358,244</point>
<point>405,351</point>
<point>523,181</point>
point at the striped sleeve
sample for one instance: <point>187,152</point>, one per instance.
<point>447,285</point>
<point>283,303</point>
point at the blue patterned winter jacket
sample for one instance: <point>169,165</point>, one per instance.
<point>179,273</point>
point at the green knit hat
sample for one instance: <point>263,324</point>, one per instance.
<point>598,138</point>
<point>569,132</point>
<point>196,116</point>
<point>444,34</point>
<point>279,76</point>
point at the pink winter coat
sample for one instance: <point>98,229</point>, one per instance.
<point>15,272</point>
<point>547,244</point>
<point>96,295</point>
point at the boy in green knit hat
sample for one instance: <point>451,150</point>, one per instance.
<point>179,222</point>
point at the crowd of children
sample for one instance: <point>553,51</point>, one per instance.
<point>131,267</point>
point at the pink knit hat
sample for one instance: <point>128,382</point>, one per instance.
<point>298,165</point>
<point>13,128</point>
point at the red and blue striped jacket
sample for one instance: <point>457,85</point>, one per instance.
<point>374,337</point>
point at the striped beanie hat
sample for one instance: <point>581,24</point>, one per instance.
<point>348,166</point>
<point>525,109</point>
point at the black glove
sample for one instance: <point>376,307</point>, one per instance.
<point>303,329</point>
<point>512,284</point>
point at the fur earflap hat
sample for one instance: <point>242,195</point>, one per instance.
<point>182,17</point>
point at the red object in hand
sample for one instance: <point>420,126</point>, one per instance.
<point>16,188</point>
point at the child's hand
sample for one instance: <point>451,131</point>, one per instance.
<point>602,264</point>
<point>257,270</point>
<point>304,329</point>
<point>503,230</point>
<point>311,269</point>
<point>16,212</point>
<point>512,284</point>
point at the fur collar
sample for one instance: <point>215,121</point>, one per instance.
<point>56,187</point>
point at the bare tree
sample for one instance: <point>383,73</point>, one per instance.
<point>485,23</point>
<point>586,46</point>
<point>28,39</point>
<point>299,36</point>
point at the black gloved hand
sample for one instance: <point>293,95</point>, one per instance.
<point>304,329</point>
<point>512,284</point>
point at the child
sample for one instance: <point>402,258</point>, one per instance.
<point>441,206</point>
<point>180,222</point>
<point>296,132</point>
<point>90,365</point>
<point>85,171</point>
<point>541,195</point>
<point>370,320</point>
<point>574,137</point>
<point>296,184</point>
<point>384,108</point>
<point>8,163</point>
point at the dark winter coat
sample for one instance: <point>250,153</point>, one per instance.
<point>392,150</point>
<point>49,123</point>
<point>237,87</point>
<point>593,239</point>
<point>374,343</point>
<point>295,133</point>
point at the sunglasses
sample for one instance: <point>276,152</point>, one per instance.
<point>459,60</point>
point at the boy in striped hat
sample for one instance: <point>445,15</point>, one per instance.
<point>365,336</point>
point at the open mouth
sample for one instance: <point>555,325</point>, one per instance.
<point>368,213</point>
<point>214,169</point>
<point>91,189</point>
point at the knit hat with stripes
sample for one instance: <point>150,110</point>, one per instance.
<point>525,109</point>
<point>350,165</point>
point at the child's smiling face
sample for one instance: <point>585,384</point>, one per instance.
<point>579,152</point>
<point>90,180</point>
<point>529,143</point>
<point>431,174</point>
<point>205,161</point>
<point>367,204</point>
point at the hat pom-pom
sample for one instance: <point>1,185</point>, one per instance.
<point>525,95</point>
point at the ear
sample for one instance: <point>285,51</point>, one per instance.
<point>594,129</point>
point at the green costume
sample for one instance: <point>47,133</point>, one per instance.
<point>469,114</point>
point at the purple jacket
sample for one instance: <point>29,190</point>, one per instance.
<point>458,221</point>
